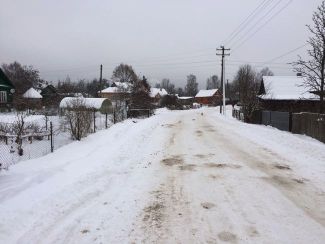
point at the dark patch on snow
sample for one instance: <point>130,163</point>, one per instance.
<point>207,205</point>
<point>85,231</point>
<point>227,236</point>
<point>175,160</point>
<point>188,167</point>
<point>222,165</point>
<point>282,167</point>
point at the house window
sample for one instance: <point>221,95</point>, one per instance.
<point>3,96</point>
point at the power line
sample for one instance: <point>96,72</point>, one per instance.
<point>258,22</point>
<point>287,53</point>
<point>272,17</point>
<point>247,21</point>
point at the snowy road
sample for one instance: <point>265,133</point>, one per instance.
<point>177,177</point>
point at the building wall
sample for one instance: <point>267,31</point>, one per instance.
<point>294,106</point>
<point>115,96</point>
<point>213,100</point>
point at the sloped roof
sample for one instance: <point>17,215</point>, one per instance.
<point>185,98</point>
<point>92,103</point>
<point>206,93</point>
<point>32,93</point>
<point>118,87</point>
<point>285,88</point>
<point>158,91</point>
<point>4,80</point>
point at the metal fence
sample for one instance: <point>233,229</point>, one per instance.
<point>310,124</point>
<point>238,114</point>
<point>15,148</point>
<point>279,120</point>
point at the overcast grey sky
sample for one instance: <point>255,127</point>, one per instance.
<point>159,38</point>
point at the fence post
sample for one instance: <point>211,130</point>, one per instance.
<point>290,121</point>
<point>51,134</point>
<point>114,117</point>
<point>106,120</point>
<point>46,120</point>
<point>94,121</point>
<point>148,113</point>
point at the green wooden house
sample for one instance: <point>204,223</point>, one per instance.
<point>7,90</point>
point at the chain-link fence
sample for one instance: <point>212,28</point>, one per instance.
<point>33,136</point>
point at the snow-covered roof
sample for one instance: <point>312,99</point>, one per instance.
<point>124,85</point>
<point>155,91</point>
<point>206,93</point>
<point>185,98</point>
<point>286,88</point>
<point>118,87</point>
<point>93,103</point>
<point>32,93</point>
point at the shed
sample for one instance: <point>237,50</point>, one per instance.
<point>211,97</point>
<point>287,94</point>
<point>186,100</point>
<point>32,99</point>
<point>31,93</point>
<point>97,104</point>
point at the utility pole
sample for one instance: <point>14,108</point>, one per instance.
<point>100,80</point>
<point>223,90</point>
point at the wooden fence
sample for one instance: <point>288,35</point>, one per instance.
<point>310,124</point>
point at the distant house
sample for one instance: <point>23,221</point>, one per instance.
<point>287,94</point>
<point>156,94</point>
<point>211,97</point>
<point>6,90</point>
<point>50,96</point>
<point>117,91</point>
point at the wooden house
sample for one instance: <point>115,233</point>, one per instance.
<point>7,90</point>
<point>156,94</point>
<point>211,97</point>
<point>117,91</point>
<point>286,94</point>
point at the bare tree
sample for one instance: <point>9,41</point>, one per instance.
<point>124,73</point>
<point>213,82</point>
<point>313,69</point>
<point>79,118</point>
<point>180,91</point>
<point>167,85</point>
<point>191,87</point>
<point>264,72</point>
<point>247,85</point>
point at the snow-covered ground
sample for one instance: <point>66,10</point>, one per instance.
<point>178,177</point>
<point>38,148</point>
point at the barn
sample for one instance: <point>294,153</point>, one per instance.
<point>211,97</point>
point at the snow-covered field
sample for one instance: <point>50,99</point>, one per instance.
<point>178,177</point>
